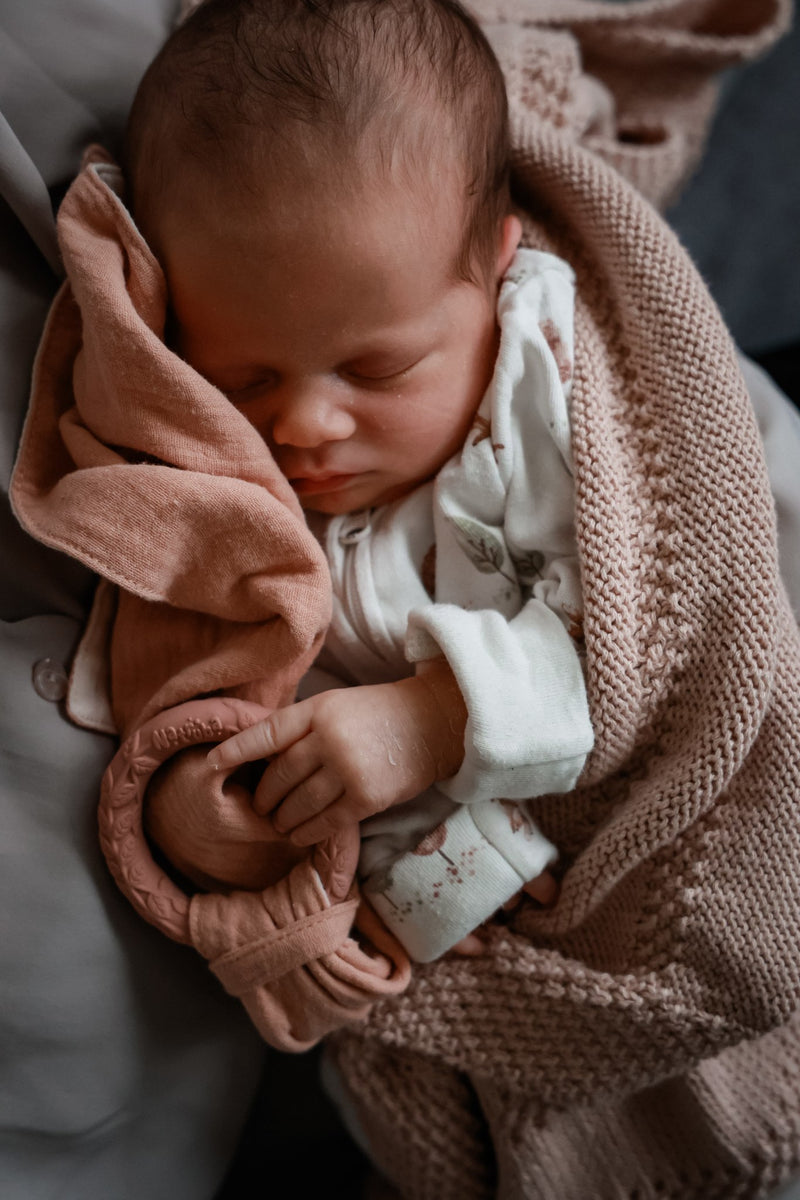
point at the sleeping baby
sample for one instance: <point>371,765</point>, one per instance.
<point>325,185</point>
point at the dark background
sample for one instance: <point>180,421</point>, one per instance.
<point>740,215</point>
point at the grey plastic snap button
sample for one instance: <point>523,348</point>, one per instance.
<point>50,679</point>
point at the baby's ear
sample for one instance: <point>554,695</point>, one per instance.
<point>510,235</point>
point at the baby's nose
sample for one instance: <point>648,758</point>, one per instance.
<point>308,414</point>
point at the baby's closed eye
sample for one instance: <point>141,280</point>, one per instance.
<point>239,391</point>
<point>380,369</point>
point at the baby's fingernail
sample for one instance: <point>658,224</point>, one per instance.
<point>212,758</point>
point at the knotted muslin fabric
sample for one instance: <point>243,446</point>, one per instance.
<point>133,463</point>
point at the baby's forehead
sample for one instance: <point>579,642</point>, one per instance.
<point>257,177</point>
<point>346,221</point>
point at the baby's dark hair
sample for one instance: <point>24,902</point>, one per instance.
<point>239,74</point>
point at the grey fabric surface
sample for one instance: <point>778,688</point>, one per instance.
<point>126,1071</point>
<point>779,424</point>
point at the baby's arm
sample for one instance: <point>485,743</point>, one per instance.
<point>344,755</point>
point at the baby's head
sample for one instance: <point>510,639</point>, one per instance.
<point>325,183</point>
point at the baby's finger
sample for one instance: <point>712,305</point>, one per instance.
<point>316,793</point>
<point>471,946</point>
<point>329,821</point>
<point>263,739</point>
<point>543,888</point>
<point>284,773</point>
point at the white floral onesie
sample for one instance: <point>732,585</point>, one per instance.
<point>480,565</point>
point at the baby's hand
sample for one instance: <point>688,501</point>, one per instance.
<point>344,755</point>
<point>543,888</point>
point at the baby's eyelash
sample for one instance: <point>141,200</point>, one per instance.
<point>240,395</point>
<point>258,385</point>
<point>374,377</point>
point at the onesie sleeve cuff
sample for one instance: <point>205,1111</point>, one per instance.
<point>528,730</point>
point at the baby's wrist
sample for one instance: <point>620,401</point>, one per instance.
<point>445,714</point>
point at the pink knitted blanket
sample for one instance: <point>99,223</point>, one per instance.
<point>641,1039</point>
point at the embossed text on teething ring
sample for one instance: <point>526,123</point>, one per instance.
<point>189,733</point>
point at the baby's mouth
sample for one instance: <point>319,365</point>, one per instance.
<point>311,485</point>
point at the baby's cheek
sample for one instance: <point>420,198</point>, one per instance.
<point>442,425</point>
